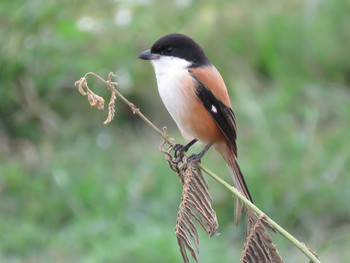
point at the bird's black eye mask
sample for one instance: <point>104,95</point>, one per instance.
<point>189,52</point>
<point>163,50</point>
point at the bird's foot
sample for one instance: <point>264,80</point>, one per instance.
<point>197,157</point>
<point>193,158</point>
<point>179,150</point>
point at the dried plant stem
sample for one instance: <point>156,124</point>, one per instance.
<point>301,246</point>
<point>135,110</point>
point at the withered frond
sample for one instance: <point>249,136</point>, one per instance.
<point>111,108</point>
<point>195,206</point>
<point>259,247</point>
<point>96,100</point>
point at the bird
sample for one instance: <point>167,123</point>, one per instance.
<point>195,95</point>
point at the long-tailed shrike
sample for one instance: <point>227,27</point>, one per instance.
<point>196,97</point>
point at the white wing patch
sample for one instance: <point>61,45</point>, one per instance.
<point>213,109</point>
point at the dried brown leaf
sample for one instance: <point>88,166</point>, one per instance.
<point>195,206</point>
<point>259,247</point>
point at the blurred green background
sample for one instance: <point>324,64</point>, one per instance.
<point>74,190</point>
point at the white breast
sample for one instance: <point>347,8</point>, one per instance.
<point>170,71</point>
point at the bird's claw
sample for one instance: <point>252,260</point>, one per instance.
<point>179,150</point>
<point>194,158</point>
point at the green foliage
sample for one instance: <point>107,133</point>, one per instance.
<point>73,190</point>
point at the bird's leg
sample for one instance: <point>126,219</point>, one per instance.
<point>197,157</point>
<point>180,149</point>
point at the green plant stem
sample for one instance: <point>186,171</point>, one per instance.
<point>301,246</point>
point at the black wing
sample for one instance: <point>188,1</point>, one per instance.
<point>222,114</point>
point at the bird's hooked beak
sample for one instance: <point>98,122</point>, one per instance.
<point>147,55</point>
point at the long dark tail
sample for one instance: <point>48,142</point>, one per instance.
<point>229,156</point>
<point>239,180</point>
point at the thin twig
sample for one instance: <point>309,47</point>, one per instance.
<point>301,246</point>
<point>131,105</point>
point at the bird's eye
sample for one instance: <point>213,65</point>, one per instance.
<point>169,50</point>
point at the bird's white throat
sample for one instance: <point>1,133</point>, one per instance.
<point>168,64</point>
<point>170,71</point>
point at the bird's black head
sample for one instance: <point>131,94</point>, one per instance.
<point>177,45</point>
